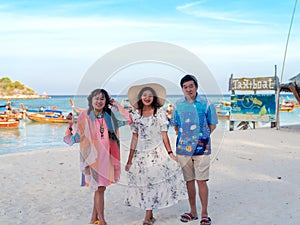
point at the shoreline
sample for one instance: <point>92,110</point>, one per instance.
<point>22,97</point>
<point>254,172</point>
<point>285,127</point>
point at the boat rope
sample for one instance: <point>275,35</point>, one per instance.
<point>283,64</point>
<point>287,41</point>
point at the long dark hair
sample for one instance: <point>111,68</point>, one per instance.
<point>106,96</point>
<point>154,104</point>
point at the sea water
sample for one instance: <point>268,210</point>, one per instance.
<point>32,136</point>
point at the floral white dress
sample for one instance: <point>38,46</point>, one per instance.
<point>154,179</point>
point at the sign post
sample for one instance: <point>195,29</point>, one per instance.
<point>253,107</point>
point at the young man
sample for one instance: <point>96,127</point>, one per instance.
<point>194,119</point>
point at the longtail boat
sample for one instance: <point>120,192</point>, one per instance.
<point>9,124</point>
<point>49,116</point>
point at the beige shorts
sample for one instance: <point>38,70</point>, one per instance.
<point>194,167</point>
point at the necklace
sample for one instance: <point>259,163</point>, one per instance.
<point>101,128</point>
<point>100,117</point>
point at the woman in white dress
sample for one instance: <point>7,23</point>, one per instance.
<point>154,176</point>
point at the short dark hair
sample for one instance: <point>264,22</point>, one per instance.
<point>187,78</point>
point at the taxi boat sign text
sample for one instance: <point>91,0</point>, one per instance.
<point>257,83</point>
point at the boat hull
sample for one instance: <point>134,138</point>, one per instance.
<point>286,109</point>
<point>46,119</point>
<point>223,117</point>
<point>9,124</point>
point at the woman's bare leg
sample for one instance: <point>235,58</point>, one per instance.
<point>98,210</point>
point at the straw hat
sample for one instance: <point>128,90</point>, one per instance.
<point>134,91</point>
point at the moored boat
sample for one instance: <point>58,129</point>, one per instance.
<point>286,105</point>
<point>45,115</point>
<point>44,118</point>
<point>223,114</point>
<point>226,103</point>
<point>9,123</point>
<point>49,116</point>
<point>286,108</point>
<point>11,113</point>
<point>223,110</point>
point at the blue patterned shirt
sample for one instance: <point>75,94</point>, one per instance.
<point>193,120</point>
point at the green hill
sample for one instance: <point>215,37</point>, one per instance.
<point>15,89</point>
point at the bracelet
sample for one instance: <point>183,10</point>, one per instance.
<point>70,128</point>
<point>170,152</point>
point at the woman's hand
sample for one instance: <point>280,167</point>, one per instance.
<point>127,167</point>
<point>87,170</point>
<point>70,119</point>
<point>115,103</point>
<point>173,157</point>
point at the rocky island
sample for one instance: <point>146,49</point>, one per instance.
<point>16,90</point>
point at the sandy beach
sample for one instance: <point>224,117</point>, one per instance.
<point>254,180</point>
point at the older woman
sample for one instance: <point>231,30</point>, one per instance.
<point>97,133</point>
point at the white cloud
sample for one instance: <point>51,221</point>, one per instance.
<point>86,4</point>
<point>59,46</point>
<point>197,10</point>
<point>83,37</point>
<point>189,5</point>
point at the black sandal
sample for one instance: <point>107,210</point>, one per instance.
<point>205,221</point>
<point>187,217</point>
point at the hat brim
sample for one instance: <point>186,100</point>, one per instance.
<point>134,91</point>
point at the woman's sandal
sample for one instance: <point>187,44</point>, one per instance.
<point>98,222</point>
<point>186,217</point>
<point>147,222</point>
<point>205,221</point>
<point>152,220</point>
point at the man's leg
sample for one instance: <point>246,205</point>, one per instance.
<point>187,166</point>
<point>192,196</point>
<point>203,194</point>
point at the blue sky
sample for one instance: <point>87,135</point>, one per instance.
<point>49,45</point>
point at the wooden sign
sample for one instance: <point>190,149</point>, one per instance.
<point>253,107</point>
<point>257,83</point>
